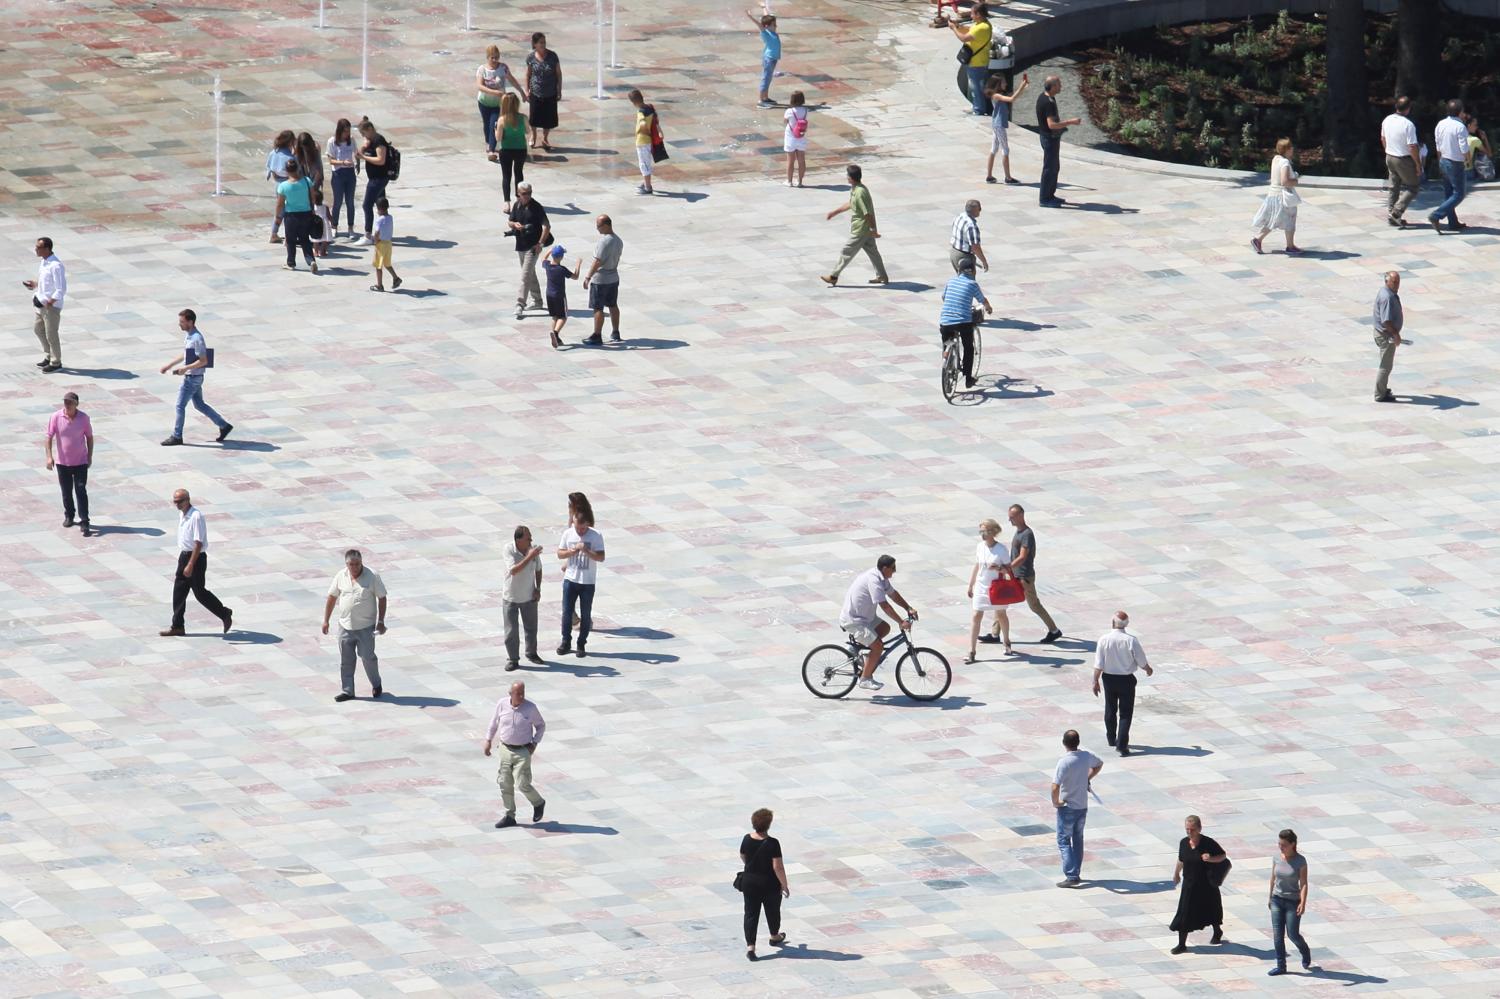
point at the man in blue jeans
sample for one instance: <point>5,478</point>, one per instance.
<point>1076,770</point>
<point>977,38</point>
<point>195,361</point>
<point>1451,137</point>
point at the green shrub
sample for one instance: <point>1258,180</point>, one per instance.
<point>1112,117</point>
<point>1142,131</point>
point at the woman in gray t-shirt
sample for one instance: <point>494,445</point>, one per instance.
<point>1288,900</point>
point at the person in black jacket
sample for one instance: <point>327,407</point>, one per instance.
<point>1200,904</point>
<point>530,226</point>
<point>764,881</point>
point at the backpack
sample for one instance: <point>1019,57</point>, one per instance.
<point>1484,167</point>
<point>392,162</point>
<point>799,125</point>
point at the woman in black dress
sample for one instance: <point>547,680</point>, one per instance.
<point>764,881</point>
<point>1199,905</point>
<point>544,87</point>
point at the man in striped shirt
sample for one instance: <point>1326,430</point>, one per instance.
<point>957,319</point>
<point>963,243</point>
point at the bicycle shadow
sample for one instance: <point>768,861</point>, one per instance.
<point>940,704</point>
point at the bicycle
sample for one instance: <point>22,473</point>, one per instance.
<point>952,368</point>
<point>923,674</point>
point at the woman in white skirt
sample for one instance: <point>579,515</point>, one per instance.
<point>1279,209</point>
<point>794,143</point>
<point>991,561</point>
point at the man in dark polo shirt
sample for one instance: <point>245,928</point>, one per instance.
<point>1050,129</point>
<point>530,226</point>
<point>1023,565</point>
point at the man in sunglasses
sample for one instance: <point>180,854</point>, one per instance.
<point>192,568</point>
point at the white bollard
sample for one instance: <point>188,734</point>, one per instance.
<point>468,15</point>
<point>364,59</point>
<point>218,138</point>
<point>614,19</point>
<point>320,15</point>
<point>598,50</point>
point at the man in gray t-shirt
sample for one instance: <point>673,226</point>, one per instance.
<point>1388,322</point>
<point>604,275</point>
<point>1023,565</point>
<point>1070,796</point>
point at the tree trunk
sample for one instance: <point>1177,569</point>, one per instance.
<point>1419,63</point>
<point>1346,110</point>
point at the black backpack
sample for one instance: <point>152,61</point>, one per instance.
<point>392,162</point>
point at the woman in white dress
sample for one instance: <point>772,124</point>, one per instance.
<point>991,561</point>
<point>1279,209</point>
<point>794,142</point>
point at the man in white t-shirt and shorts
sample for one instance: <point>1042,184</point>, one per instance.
<point>872,591</point>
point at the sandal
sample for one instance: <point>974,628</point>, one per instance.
<point>969,659</point>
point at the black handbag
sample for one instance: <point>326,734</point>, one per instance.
<point>1218,872</point>
<point>739,878</point>
<point>964,54</point>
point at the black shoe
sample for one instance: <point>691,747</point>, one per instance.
<point>44,362</point>
<point>512,665</point>
<point>1179,949</point>
<point>223,433</point>
<point>614,337</point>
<point>564,648</point>
<point>228,620</point>
<point>1124,750</point>
<point>506,822</point>
<point>51,368</point>
<point>1388,397</point>
<point>989,639</point>
<point>171,442</point>
<point>172,633</point>
<point>1051,637</point>
<point>1217,937</point>
<point>582,652</point>
<point>68,520</point>
<point>377,692</point>
<point>342,697</point>
<point>536,813</point>
<point>86,529</point>
<point>596,340</point>
<point>1109,739</point>
<point>532,657</point>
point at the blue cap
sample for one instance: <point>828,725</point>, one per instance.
<point>558,250</point>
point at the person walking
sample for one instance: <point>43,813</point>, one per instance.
<point>47,294</point>
<point>359,595</point>
<point>544,81</point>
<point>604,274</point>
<point>963,239</point>
<point>960,295</point>
<point>990,563</point>
<point>294,204</point>
<point>1050,129</point>
<point>489,82</point>
<point>977,39</point>
<point>1023,564</point>
<point>1199,904</point>
<point>375,154</point>
<point>1403,161</point>
<point>863,231</point>
<point>283,151</point>
<point>1288,900</point>
<point>770,54</point>
<point>196,358</point>
<point>1071,783</point>
<point>794,141</point>
<point>511,131</point>
<point>74,434</point>
<point>1278,209</point>
<point>529,226</point>
<point>582,548</point>
<point>763,880</point>
<point>1117,655</point>
<point>340,156</point>
<point>523,591</point>
<point>1451,137</point>
<point>192,569</point>
<point>519,726</point>
<point>646,130</point>
<point>1000,125</point>
<point>1389,319</point>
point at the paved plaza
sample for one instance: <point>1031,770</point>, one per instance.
<point>1188,425</point>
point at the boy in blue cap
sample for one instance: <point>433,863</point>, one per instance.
<point>557,297</point>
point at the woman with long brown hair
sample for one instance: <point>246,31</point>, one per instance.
<point>340,154</point>
<point>510,134</point>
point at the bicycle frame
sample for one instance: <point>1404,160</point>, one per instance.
<point>857,651</point>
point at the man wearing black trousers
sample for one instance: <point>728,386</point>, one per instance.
<point>192,568</point>
<point>1117,655</point>
<point>1050,130</point>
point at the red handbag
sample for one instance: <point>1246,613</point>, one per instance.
<point>1006,591</point>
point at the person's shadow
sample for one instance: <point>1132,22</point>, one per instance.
<point>688,196</point>
<point>1097,206</point>
<point>802,952</point>
<point>1439,402</point>
<point>1139,750</point>
<point>150,532</point>
<point>112,373</point>
<point>239,636</point>
<point>1119,886</point>
<point>554,828</point>
<point>635,631</point>
<point>414,701</point>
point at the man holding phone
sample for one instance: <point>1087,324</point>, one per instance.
<point>47,293</point>
<point>523,590</point>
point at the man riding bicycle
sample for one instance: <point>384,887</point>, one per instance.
<point>958,316</point>
<point>872,589</point>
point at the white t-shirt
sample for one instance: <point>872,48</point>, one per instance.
<point>1398,134</point>
<point>581,568</point>
<point>869,590</point>
<point>989,558</point>
<point>1452,139</point>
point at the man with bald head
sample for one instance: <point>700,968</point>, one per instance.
<point>1117,655</point>
<point>604,274</point>
<point>1388,322</point>
<point>519,727</point>
<point>1050,129</point>
<point>192,568</point>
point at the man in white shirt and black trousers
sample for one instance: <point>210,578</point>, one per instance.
<point>1117,655</point>
<point>192,568</point>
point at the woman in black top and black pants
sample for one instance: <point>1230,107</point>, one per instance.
<point>373,152</point>
<point>764,881</point>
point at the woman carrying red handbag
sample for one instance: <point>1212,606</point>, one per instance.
<point>989,584</point>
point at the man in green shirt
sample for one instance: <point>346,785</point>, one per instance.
<point>862,230</point>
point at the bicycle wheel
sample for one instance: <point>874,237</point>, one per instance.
<point>923,674</point>
<point>978,348</point>
<point>950,368</point>
<point>829,671</point>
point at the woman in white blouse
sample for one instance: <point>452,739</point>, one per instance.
<point>1279,208</point>
<point>991,561</point>
<point>339,153</point>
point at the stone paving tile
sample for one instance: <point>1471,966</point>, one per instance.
<point>1187,423</point>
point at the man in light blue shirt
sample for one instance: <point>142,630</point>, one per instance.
<point>1071,783</point>
<point>191,367</point>
<point>957,319</point>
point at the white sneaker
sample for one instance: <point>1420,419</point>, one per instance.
<point>870,683</point>
<point>365,241</point>
<point>520,312</point>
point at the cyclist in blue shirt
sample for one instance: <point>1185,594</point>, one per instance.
<point>958,317</point>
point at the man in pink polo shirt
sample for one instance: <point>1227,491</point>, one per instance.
<point>74,434</point>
